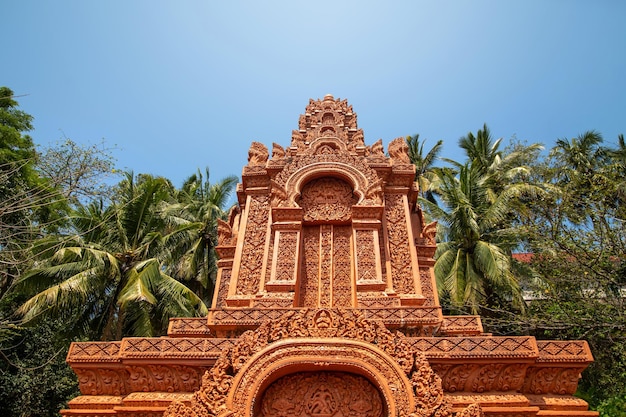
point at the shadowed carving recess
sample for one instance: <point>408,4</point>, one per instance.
<point>342,267</point>
<point>321,394</point>
<point>366,256</point>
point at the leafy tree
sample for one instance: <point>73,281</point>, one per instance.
<point>34,377</point>
<point>16,147</point>
<point>79,172</point>
<point>200,203</point>
<point>578,274</point>
<point>108,279</point>
<point>28,204</point>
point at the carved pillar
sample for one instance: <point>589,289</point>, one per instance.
<point>402,255</point>
<point>224,272</point>
<point>250,252</point>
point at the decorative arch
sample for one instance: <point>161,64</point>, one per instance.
<point>339,170</point>
<point>291,356</point>
<point>333,142</point>
<point>339,340</point>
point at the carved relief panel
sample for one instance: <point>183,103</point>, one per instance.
<point>250,267</point>
<point>326,267</point>
<point>327,200</point>
<point>321,394</point>
<point>401,258</point>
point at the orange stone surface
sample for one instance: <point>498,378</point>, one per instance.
<point>326,306</point>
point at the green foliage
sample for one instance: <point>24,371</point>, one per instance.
<point>107,279</point>
<point>424,164</point>
<point>192,258</point>
<point>15,145</point>
<point>475,204</point>
<point>34,378</point>
<point>578,270</point>
<point>29,205</point>
<point>613,407</point>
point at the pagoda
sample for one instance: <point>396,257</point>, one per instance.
<point>326,306</point>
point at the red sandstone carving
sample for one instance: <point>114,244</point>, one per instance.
<point>326,306</point>
<point>257,155</point>
<point>399,151</point>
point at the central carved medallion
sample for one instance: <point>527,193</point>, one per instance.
<point>321,394</point>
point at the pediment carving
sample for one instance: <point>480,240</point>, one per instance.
<point>327,199</point>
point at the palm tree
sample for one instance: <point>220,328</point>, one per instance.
<point>481,149</point>
<point>199,204</point>
<point>423,163</point>
<point>108,280</point>
<point>472,266</point>
<point>475,214</point>
<point>583,154</point>
<point>485,155</point>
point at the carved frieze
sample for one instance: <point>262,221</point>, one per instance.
<point>426,281</point>
<point>309,278</point>
<point>481,377</point>
<point>188,327</point>
<point>222,290</point>
<point>367,260</point>
<point>461,325</point>
<point>342,291</point>
<point>552,380</point>
<point>286,260</point>
<point>102,381</point>
<point>164,378</point>
<point>392,317</point>
<point>93,352</point>
<point>522,348</point>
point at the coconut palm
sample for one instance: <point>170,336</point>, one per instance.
<point>423,163</point>
<point>500,167</point>
<point>199,204</point>
<point>108,279</point>
<point>472,267</point>
<point>583,154</point>
<point>477,200</point>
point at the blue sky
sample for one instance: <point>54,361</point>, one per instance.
<point>181,85</point>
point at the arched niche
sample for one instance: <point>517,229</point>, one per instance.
<point>339,170</point>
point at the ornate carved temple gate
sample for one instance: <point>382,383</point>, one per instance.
<point>326,306</point>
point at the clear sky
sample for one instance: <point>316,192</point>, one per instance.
<point>181,85</point>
